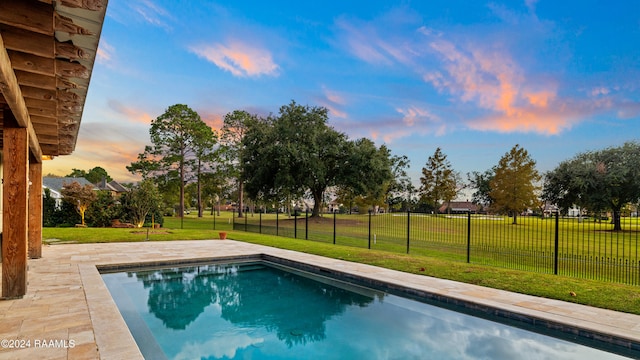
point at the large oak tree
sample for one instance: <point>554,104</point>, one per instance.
<point>298,152</point>
<point>600,180</point>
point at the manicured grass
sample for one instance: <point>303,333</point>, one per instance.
<point>619,297</point>
<point>193,229</point>
<point>586,249</point>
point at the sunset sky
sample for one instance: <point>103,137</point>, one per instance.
<point>473,78</point>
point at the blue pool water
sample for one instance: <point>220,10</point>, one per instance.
<point>259,311</point>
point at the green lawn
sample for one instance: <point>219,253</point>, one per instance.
<point>608,295</point>
<point>586,248</point>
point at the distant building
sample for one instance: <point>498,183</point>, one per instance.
<point>458,207</point>
<point>112,186</point>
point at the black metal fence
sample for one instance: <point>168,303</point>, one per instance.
<point>572,246</point>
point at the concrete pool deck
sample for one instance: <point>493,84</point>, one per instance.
<point>68,312</point>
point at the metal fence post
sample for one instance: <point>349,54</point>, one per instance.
<point>295,223</point>
<point>306,224</point>
<point>557,240</point>
<point>408,228</point>
<point>468,236</point>
<point>233,219</point>
<point>260,223</point>
<point>214,219</point>
<point>334,227</point>
<point>245,221</point>
<point>370,228</point>
<point>277,223</point>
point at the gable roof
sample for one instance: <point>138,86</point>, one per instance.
<point>57,183</point>
<point>111,186</point>
<point>117,187</point>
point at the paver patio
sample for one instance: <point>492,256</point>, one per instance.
<point>68,313</point>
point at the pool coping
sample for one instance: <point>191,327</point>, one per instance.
<point>563,327</point>
<point>68,300</point>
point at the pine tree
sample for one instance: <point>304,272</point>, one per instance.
<point>513,187</point>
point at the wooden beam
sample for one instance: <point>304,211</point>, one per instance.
<point>32,63</point>
<point>40,104</point>
<point>37,93</point>
<point>28,15</point>
<point>27,41</point>
<point>46,131</point>
<point>48,82</point>
<point>94,5</point>
<point>35,210</point>
<point>10,88</point>
<point>15,156</point>
<point>13,95</point>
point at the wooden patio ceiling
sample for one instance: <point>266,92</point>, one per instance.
<point>47,52</point>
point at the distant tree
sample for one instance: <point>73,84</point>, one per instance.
<point>179,140</point>
<point>48,209</point>
<point>367,173</point>
<point>513,188</point>
<point>94,175</point>
<point>296,152</point>
<point>80,196</point>
<point>77,173</point>
<point>236,125</point>
<point>140,202</point>
<point>207,156</point>
<point>607,179</point>
<point>213,190</point>
<point>400,188</point>
<point>439,181</point>
<point>102,210</point>
<point>481,182</point>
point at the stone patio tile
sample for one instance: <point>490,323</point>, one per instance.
<point>86,351</point>
<point>66,297</point>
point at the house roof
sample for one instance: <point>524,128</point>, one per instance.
<point>112,186</point>
<point>57,183</point>
<point>118,187</point>
<point>458,206</point>
<point>47,52</point>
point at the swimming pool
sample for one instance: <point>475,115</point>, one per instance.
<point>262,310</point>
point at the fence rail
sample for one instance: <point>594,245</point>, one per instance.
<point>577,247</point>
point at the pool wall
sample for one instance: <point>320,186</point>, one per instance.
<point>503,314</point>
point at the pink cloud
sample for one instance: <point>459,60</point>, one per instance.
<point>99,146</point>
<point>333,101</point>
<point>152,13</point>
<point>420,120</point>
<point>238,58</point>
<point>105,52</point>
<point>130,113</point>
<point>494,81</point>
<point>215,121</point>
<point>366,42</point>
<point>601,90</point>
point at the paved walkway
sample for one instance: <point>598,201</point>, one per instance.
<point>69,314</point>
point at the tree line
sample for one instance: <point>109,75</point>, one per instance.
<point>275,161</point>
<point>83,205</point>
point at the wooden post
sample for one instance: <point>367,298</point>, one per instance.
<point>35,209</point>
<point>15,185</point>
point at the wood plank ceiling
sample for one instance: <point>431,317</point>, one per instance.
<point>51,46</point>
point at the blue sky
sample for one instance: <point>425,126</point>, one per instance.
<point>473,78</point>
